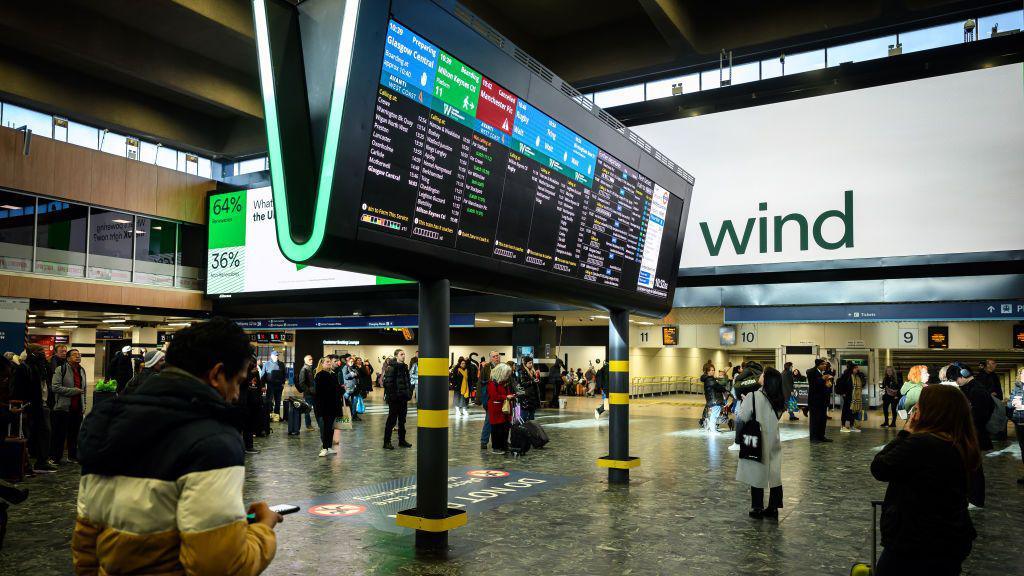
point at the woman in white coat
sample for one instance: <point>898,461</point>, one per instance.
<point>769,404</point>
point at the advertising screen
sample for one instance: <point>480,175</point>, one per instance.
<point>244,256</point>
<point>828,180</point>
<point>459,161</point>
<point>670,335</point>
<point>938,337</point>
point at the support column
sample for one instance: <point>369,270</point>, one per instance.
<point>432,519</point>
<point>618,461</point>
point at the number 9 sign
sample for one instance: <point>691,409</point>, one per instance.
<point>907,338</point>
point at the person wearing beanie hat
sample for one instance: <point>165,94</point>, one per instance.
<point>152,363</point>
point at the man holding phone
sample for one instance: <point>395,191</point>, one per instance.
<point>162,469</point>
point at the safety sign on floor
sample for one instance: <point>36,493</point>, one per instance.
<point>473,489</point>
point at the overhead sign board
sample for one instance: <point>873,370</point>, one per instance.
<point>1001,310</point>
<point>432,153</point>
<point>938,337</point>
<point>348,322</point>
<point>670,335</point>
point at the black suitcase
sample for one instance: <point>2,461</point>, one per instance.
<point>14,452</point>
<point>538,437</point>
<point>519,440</point>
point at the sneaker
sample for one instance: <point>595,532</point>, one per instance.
<point>502,452</point>
<point>844,430</point>
<point>44,468</point>
<point>323,452</point>
<point>857,430</point>
<point>252,451</point>
<point>404,444</point>
<point>973,507</point>
<point>885,424</point>
<point>332,451</point>
<point>597,415</point>
<point>389,446</point>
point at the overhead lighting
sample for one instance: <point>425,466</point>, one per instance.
<point>9,207</point>
<point>69,326</point>
<point>503,321</point>
<point>646,323</point>
<point>139,232</point>
<point>113,314</point>
<point>55,322</point>
<point>119,221</point>
<point>180,324</point>
<point>31,315</point>
<point>598,316</point>
<point>158,227</point>
<point>482,320</point>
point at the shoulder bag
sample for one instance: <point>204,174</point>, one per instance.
<point>749,436</point>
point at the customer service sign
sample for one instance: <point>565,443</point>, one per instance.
<point>925,167</point>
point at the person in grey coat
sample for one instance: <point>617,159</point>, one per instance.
<point>68,386</point>
<point>768,404</point>
<point>350,380</point>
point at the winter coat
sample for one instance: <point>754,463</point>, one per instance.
<point>925,507</point>
<point>31,383</point>
<point>817,389</point>
<point>121,369</point>
<point>274,373</point>
<point>787,384</point>
<point>1016,404</point>
<point>139,379</point>
<point>349,378</point>
<point>496,394</point>
<point>912,390</point>
<point>768,472</point>
<point>527,390</point>
<point>712,390</point>
<point>161,485</point>
<point>327,398</point>
<point>63,385</point>
<point>979,395</point>
<point>397,386</point>
<point>304,381</point>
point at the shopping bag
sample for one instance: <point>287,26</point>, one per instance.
<point>343,423</point>
<point>360,405</point>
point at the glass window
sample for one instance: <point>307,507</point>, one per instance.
<point>861,51</point>
<point>1000,23</point>
<point>15,117</point>
<point>251,165</point>
<point>167,157</point>
<point>188,163</point>
<point>113,143</point>
<point>771,68</point>
<point>17,220</point>
<point>82,135</point>
<point>191,257</point>
<point>111,235</point>
<point>147,152</point>
<point>205,168</point>
<point>60,129</point>
<point>60,238</point>
<point>154,251</point>
<point>710,79</point>
<point>619,96</point>
<point>663,88</point>
<point>935,37</point>
<point>746,73</point>
<point>804,62</point>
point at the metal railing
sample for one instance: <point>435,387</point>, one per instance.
<point>643,386</point>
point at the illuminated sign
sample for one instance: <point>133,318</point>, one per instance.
<point>938,337</point>
<point>670,335</point>
<point>1018,336</point>
<point>727,336</point>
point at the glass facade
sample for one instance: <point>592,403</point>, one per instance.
<point>191,257</point>
<point>155,248</point>
<point>111,241</point>
<point>17,221</point>
<point>61,236</point>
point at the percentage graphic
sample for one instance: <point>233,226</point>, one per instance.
<point>225,260</point>
<point>228,204</point>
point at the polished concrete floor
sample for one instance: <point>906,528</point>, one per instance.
<point>683,513</point>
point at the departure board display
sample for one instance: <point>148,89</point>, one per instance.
<point>459,161</point>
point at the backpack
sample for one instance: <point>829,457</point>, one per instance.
<point>749,437</point>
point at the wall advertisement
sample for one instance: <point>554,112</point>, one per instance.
<point>244,255</point>
<point>924,167</point>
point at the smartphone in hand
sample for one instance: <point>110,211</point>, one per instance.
<point>282,509</point>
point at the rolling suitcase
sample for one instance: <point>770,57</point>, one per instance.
<point>14,452</point>
<point>538,437</point>
<point>862,568</point>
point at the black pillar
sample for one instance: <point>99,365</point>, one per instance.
<point>618,460</point>
<point>432,518</point>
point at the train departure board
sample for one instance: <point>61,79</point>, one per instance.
<point>459,161</point>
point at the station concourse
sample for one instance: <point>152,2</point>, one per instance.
<point>435,287</point>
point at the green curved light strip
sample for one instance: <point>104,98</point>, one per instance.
<point>292,250</point>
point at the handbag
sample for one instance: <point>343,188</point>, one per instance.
<point>343,423</point>
<point>360,405</point>
<point>749,437</point>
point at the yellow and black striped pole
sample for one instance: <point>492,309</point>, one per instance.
<point>618,461</point>
<point>432,519</point>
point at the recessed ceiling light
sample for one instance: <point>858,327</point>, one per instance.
<point>119,221</point>
<point>69,326</point>
<point>482,320</point>
<point>646,323</point>
<point>598,316</point>
<point>503,321</point>
<point>9,207</point>
<point>31,315</point>
<point>158,227</point>
<point>179,324</point>
<point>55,322</point>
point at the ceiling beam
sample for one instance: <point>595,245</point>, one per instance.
<point>672,21</point>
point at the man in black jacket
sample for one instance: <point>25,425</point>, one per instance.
<point>990,379</point>
<point>979,396</point>
<point>397,392</point>
<point>32,384</point>
<point>818,389</point>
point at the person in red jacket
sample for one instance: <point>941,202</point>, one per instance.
<point>498,391</point>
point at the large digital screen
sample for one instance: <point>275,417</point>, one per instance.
<point>459,161</point>
<point>244,256</point>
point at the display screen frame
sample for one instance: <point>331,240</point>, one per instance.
<point>347,245</point>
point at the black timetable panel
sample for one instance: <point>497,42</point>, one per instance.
<point>457,160</point>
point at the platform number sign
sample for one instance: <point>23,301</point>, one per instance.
<point>747,336</point>
<point>907,338</point>
<point>645,336</point>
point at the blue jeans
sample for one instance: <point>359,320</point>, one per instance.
<point>309,418</point>
<point>350,399</point>
<point>485,434</point>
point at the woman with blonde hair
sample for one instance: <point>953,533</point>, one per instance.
<point>917,379</point>
<point>328,403</point>
<point>931,468</point>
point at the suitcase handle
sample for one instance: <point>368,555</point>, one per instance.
<point>875,505</point>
